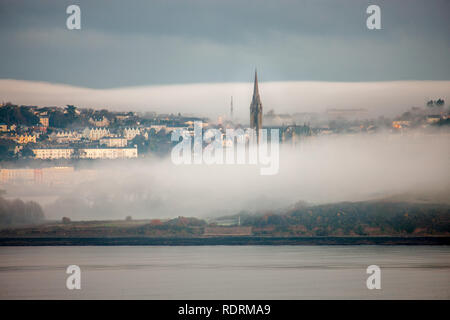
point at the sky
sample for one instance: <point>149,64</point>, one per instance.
<point>158,42</point>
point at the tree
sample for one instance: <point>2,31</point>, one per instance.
<point>7,149</point>
<point>27,152</point>
<point>18,212</point>
<point>71,110</point>
<point>13,114</point>
<point>43,137</point>
<point>142,144</point>
<point>439,102</point>
<point>66,220</point>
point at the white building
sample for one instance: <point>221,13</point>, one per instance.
<point>108,153</point>
<point>99,122</point>
<point>65,136</point>
<point>114,142</point>
<point>96,133</point>
<point>53,153</point>
<point>86,153</point>
<point>131,133</point>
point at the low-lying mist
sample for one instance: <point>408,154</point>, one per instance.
<point>317,170</point>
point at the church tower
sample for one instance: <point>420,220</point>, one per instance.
<point>256,109</point>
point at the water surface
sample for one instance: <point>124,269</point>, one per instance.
<point>225,272</point>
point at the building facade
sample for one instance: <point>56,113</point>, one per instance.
<point>53,153</point>
<point>108,153</point>
<point>25,138</point>
<point>114,142</point>
<point>65,136</point>
<point>44,121</point>
<point>99,122</point>
<point>85,153</point>
<point>96,133</point>
<point>131,133</point>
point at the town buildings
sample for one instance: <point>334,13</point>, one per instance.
<point>53,132</point>
<point>24,138</point>
<point>108,153</point>
<point>131,133</point>
<point>96,133</point>
<point>65,136</point>
<point>44,121</point>
<point>53,153</point>
<point>99,122</point>
<point>113,142</point>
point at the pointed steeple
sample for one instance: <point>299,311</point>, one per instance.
<point>256,109</point>
<point>255,88</point>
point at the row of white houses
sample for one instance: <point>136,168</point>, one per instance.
<point>86,153</point>
<point>95,134</point>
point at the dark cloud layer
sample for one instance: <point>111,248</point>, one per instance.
<point>126,43</point>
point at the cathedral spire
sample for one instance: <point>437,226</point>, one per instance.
<point>255,88</point>
<point>256,109</point>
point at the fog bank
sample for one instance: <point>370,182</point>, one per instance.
<point>319,170</point>
<point>213,99</point>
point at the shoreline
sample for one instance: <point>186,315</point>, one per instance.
<point>223,241</point>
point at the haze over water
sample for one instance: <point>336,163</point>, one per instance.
<point>226,272</point>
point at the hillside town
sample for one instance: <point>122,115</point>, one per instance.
<point>53,133</point>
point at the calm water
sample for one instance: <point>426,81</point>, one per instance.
<point>226,272</point>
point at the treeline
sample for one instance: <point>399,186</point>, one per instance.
<point>13,114</point>
<point>177,227</point>
<point>355,218</point>
<point>436,103</point>
<point>63,118</point>
<point>17,212</point>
